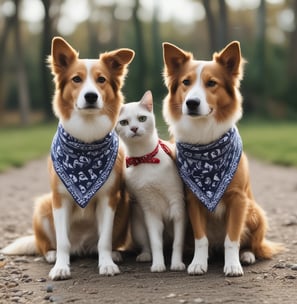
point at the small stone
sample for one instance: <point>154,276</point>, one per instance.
<point>294,267</point>
<point>290,277</point>
<point>198,300</point>
<point>171,295</point>
<point>280,265</point>
<point>182,301</point>
<point>21,260</point>
<point>41,280</point>
<point>49,288</point>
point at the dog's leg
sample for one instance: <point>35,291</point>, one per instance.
<point>178,238</point>
<point>198,221</point>
<point>235,221</point>
<point>155,229</point>
<point>61,270</point>
<point>105,217</point>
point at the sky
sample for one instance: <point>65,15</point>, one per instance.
<point>184,11</point>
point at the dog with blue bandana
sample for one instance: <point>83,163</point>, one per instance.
<point>202,108</point>
<point>86,211</point>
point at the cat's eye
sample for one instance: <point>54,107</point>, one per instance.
<point>76,79</point>
<point>101,79</point>
<point>124,122</point>
<point>142,118</point>
<point>186,82</point>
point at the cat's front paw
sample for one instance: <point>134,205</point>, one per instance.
<point>109,269</point>
<point>158,268</point>
<point>178,266</point>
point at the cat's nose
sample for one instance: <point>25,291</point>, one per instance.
<point>134,129</point>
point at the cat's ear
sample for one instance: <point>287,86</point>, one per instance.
<point>147,100</point>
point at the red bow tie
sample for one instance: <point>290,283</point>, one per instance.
<point>148,158</point>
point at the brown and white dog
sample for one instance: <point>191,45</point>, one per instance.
<point>202,107</point>
<point>86,211</point>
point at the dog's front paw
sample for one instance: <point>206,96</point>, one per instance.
<point>233,269</point>
<point>177,266</point>
<point>144,257</point>
<point>197,268</point>
<point>109,269</point>
<point>60,273</point>
<point>158,268</point>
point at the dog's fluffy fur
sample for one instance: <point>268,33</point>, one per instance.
<point>237,223</point>
<point>61,227</point>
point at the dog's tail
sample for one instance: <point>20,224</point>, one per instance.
<point>22,246</point>
<point>258,226</point>
<point>267,249</point>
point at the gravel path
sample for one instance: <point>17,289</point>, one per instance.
<point>24,279</point>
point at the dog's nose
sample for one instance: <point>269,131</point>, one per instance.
<point>193,104</point>
<point>91,97</point>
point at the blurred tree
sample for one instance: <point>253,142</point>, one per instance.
<point>140,58</point>
<point>22,85</point>
<point>46,37</point>
<point>218,31</point>
<point>8,23</point>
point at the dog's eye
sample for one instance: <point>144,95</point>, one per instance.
<point>186,82</point>
<point>124,122</point>
<point>76,79</point>
<point>101,79</point>
<point>142,118</point>
<point>211,83</point>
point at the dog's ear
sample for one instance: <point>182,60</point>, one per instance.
<point>174,57</point>
<point>62,55</point>
<point>117,60</point>
<point>230,57</point>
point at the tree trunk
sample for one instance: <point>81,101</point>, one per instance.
<point>44,52</point>
<point>140,58</point>
<point>24,105</point>
<point>212,33</point>
<point>8,25</point>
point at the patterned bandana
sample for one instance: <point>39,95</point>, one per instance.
<point>148,158</point>
<point>82,167</point>
<point>208,169</point>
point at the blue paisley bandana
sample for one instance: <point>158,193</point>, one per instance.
<point>82,167</point>
<point>208,169</point>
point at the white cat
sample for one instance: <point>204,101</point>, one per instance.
<point>152,179</point>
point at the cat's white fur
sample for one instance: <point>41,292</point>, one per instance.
<point>157,188</point>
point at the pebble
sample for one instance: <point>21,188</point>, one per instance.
<point>49,288</point>
<point>171,295</point>
<point>294,267</point>
<point>198,300</point>
<point>41,280</point>
<point>21,260</point>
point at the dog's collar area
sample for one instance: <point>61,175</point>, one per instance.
<point>208,169</point>
<point>83,167</point>
<point>148,158</point>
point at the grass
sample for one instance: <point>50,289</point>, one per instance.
<point>20,145</point>
<point>270,141</point>
<point>275,142</point>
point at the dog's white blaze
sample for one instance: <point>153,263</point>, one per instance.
<point>197,92</point>
<point>89,86</point>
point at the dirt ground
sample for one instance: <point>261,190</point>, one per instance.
<point>25,280</point>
